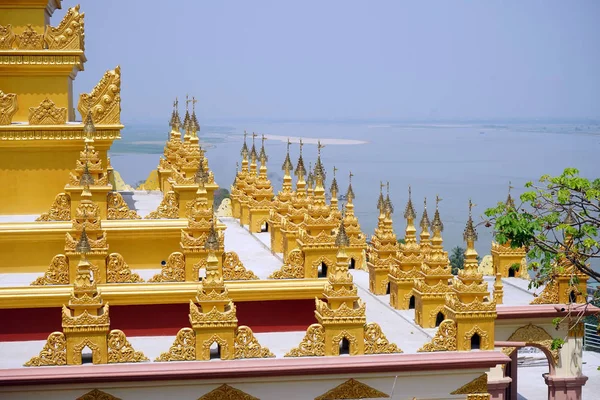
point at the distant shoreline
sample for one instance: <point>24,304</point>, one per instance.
<point>296,139</point>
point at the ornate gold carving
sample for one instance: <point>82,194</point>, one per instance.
<point>549,295</point>
<point>57,273</point>
<point>226,392</point>
<point>246,345</point>
<point>376,342</point>
<point>444,339</point>
<point>47,114</point>
<point>535,336</point>
<point>173,271</point>
<point>7,37</point>
<point>168,208</point>
<point>104,100</point>
<point>313,343</point>
<point>69,34</point>
<point>118,209</point>
<point>56,135</point>
<point>97,395</point>
<point>482,334</point>
<point>233,268</point>
<point>476,386</point>
<point>29,40</point>
<point>8,107</point>
<point>60,210</point>
<point>183,348</point>
<point>352,389</point>
<point>120,350</point>
<point>117,270</point>
<point>53,353</point>
<point>293,268</point>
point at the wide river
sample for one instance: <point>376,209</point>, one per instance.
<point>454,161</point>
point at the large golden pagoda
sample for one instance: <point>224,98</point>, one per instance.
<point>281,204</point>
<point>430,291</point>
<point>262,196</point>
<point>316,240</point>
<point>468,304</point>
<point>384,246</point>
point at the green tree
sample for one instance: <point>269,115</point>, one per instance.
<point>457,259</point>
<point>557,219</point>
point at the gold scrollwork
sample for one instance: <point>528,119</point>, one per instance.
<point>97,395</point>
<point>352,389</point>
<point>247,346</point>
<point>535,336</point>
<point>53,353</point>
<point>313,343</point>
<point>168,207</point>
<point>226,392</point>
<point>444,339</point>
<point>183,348</point>
<point>69,34</point>
<point>293,268</point>
<point>8,107</point>
<point>376,342</point>
<point>117,270</point>
<point>60,210</point>
<point>57,273</point>
<point>173,270</point>
<point>118,208</point>
<point>7,37</point>
<point>233,268</point>
<point>476,386</point>
<point>47,113</point>
<point>104,100</point>
<point>120,350</point>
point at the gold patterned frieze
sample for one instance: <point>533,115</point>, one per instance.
<point>293,267</point>
<point>84,320</point>
<point>69,34</point>
<point>214,317</point>
<point>183,348</point>
<point>247,346</point>
<point>233,268</point>
<point>8,107</point>
<point>56,274</point>
<point>476,305</point>
<point>376,342</point>
<point>352,389</point>
<point>16,133</point>
<point>173,270</point>
<point>104,100</point>
<point>476,386</point>
<point>120,350</point>
<point>53,353</point>
<point>533,335</point>
<point>47,113</point>
<point>29,40</point>
<point>168,207</point>
<point>60,210</point>
<point>117,270</point>
<point>341,315</point>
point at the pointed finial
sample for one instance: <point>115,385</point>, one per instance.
<point>86,179</point>
<point>409,211</point>
<point>334,189</point>
<point>437,221</point>
<point>244,151</point>
<point>342,239</point>
<point>334,170</point>
<point>83,245</point>
<point>470,234</point>
<point>187,102</point>
<point>175,104</point>
<point>350,192</point>
<point>212,240</point>
<point>194,101</point>
<point>381,201</point>
<point>425,218</point>
<point>288,145</point>
<point>253,150</point>
<point>510,203</point>
<point>89,129</point>
<point>319,147</point>
<point>301,144</point>
<point>388,201</point>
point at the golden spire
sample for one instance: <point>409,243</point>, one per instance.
<point>187,119</point>
<point>212,240</point>
<point>319,170</point>
<point>510,203</point>
<point>175,120</point>
<point>342,241</point>
<point>244,152</point>
<point>334,189</point>
<point>214,275</point>
<point>83,245</point>
<point>253,155</point>
<point>300,171</point>
<point>409,211</point>
<point>470,234</point>
<point>437,225</point>
<point>263,154</point>
<point>89,130</point>
<point>86,179</point>
<point>201,177</point>
<point>388,202</point>
<point>310,180</point>
<point>194,125</point>
<point>425,218</point>
<point>381,200</point>
<point>287,166</point>
<point>350,192</point>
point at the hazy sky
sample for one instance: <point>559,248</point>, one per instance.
<point>309,59</point>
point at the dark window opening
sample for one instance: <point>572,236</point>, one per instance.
<point>387,289</point>
<point>439,319</point>
<point>87,355</point>
<point>572,297</point>
<point>511,272</point>
<point>344,347</point>
<point>352,264</point>
<point>215,351</point>
<point>264,227</point>
<point>322,270</point>
<point>475,341</point>
<point>411,303</point>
